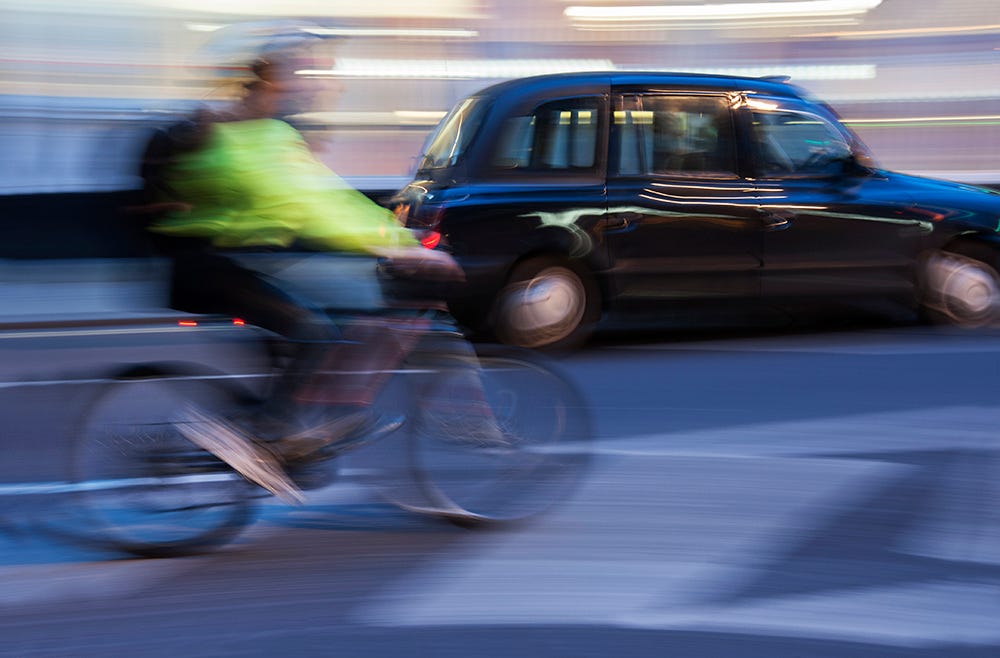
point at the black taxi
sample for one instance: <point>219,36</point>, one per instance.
<point>571,196</point>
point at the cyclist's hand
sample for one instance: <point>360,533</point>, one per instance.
<point>422,263</point>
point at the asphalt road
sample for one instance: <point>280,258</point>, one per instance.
<point>811,494</point>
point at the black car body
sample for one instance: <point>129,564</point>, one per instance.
<point>568,196</point>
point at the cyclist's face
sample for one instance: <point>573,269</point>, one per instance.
<point>278,93</point>
<point>282,94</point>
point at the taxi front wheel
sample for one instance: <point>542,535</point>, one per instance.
<point>960,290</point>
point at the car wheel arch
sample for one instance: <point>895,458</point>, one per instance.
<point>959,282</point>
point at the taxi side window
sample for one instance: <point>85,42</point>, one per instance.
<point>669,134</point>
<point>559,136</point>
<point>797,144</point>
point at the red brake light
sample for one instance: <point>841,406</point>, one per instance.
<point>431,239</point>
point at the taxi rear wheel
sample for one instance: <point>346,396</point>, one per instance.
<point>548,303</point>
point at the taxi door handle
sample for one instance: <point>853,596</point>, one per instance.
<point>622,221</point>
<point>775,220</point>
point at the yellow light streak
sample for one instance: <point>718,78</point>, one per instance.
<point>908,31</point>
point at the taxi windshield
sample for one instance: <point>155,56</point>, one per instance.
<point>448,142</point>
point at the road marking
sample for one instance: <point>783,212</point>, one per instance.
<point>924,615</point>
<point>717,511</point>
<point>651,537</point>
<point>146,380</point>
<point>574,567</point>
<point>50,488</point>
<point>72,333</point>
<point>44,488</point>
<point>137,380</point>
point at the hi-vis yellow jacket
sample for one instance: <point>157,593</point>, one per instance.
<point>255,183</point>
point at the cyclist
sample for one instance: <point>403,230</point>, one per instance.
<point>243,181</point>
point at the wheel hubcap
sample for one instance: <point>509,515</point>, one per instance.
<point>546,308</point>
<point>964,289</point>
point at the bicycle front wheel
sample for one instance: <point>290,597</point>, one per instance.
<point>499,438</point>
<point>142,487</point>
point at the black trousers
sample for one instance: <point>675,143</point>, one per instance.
<point>212,283</point>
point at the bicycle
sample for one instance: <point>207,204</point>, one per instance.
<point>145,490</point>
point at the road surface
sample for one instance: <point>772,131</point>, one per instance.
<point>812,494</point>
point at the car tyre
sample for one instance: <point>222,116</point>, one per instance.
<point>547,303</point>
<point>960,290</point>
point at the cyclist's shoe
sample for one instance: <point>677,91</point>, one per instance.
<point>248,458</point>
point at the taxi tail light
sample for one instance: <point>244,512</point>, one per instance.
<point>430,239</point>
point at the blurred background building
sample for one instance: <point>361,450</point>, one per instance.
<point>81,82</point>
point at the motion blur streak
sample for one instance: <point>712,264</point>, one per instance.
<point>725,11</point>
<point>81,83</point>
<point>796,494</point>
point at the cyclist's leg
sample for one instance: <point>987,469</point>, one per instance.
<point>210,283</point>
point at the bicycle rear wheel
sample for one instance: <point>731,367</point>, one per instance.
<point>142,487</point>
<point>507,453</point>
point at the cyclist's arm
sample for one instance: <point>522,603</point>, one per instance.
<point>292,189</point>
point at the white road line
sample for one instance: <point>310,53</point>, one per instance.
<point>922,615</point>
<point>710,518</point>
<point>51,488</point>
<point>954,428</point>
<point>45,488</point>
<point>575,567</point>
<point>73,333</point>
<point>714,509</point>
<point>146,380</point>
<point>109,380</point>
